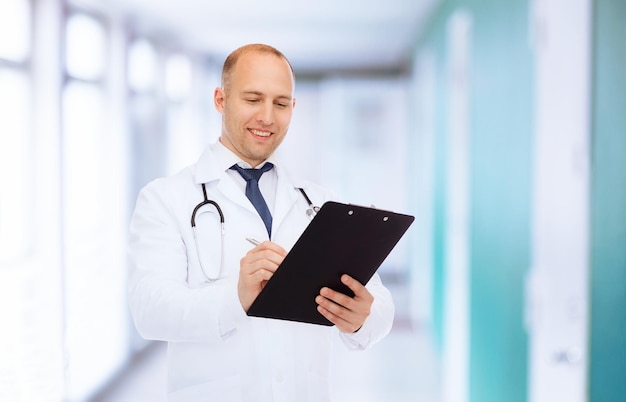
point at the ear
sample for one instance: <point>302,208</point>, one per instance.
<point>293,106</point>
<point>219,97</point>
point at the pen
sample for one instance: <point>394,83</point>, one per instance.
<point>253,241</point>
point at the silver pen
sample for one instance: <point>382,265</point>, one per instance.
<point>253,241</point>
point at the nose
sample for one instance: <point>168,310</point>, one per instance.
<point>266,114</point>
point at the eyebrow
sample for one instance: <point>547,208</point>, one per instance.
<point>258,93</point>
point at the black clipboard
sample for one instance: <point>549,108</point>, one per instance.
<point>342,238</point>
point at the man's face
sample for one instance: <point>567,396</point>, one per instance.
<point>257,107</point>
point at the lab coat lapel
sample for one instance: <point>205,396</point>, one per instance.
<point>229,189</point>
<point>286,197</point>
<point>208,170</point>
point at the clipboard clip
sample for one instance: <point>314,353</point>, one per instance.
<point>385,218</point>
<point>363,206</point>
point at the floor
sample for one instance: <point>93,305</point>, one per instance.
<point>401,368</point>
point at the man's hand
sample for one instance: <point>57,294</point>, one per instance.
<point>255,269</point>
<point>347,313</point>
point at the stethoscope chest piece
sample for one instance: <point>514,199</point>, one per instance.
<point>312,210</point>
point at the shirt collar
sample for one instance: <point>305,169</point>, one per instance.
<point>217,159</point>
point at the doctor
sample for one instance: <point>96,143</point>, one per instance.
<point>192,287</point>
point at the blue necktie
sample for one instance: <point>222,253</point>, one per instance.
<point>252,176</point>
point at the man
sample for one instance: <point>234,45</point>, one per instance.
<point>192,287</point>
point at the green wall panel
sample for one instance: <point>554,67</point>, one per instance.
<point>501,172</point>
<point>607,368</point>
<point>435,42</point>
<point>500,151</point>
<point>439,221</point>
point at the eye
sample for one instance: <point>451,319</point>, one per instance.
<point>252,100</point>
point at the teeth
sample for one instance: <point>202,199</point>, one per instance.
<point>261,133</point>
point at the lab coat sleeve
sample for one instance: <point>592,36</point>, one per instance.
<point>379,322</point>
<point>163,307</point>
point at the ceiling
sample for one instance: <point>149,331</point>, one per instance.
<point>317,36</point>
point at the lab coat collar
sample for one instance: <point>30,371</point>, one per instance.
<point>214,161</point>
<point>217,159</point>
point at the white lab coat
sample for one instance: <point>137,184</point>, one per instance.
<point>215,351</point>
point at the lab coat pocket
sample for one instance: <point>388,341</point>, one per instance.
<point>206,259</point>
<point>223,390</point>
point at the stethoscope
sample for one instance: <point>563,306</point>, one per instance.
<point>310,212</point>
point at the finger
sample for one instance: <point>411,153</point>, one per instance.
<point>266,251</point>
<point>271,256</point>
<point>346,312</point>
<point>252,265</point>
<point>269,245</point>
<point>336,309</point>
<point>337,297</point>
<point>355,286</point>
<point>341,323</point>
<point>261,256</point>
<point>262,275</point>
<point>352,311</point>
<point>329,315</point>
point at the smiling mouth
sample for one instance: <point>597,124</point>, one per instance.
<point>260,133</point>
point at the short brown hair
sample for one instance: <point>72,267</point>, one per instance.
<point>231,60</point>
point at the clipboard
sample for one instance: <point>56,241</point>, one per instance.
<point>341,239</point>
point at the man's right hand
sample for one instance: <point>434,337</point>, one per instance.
<point>256,268</point>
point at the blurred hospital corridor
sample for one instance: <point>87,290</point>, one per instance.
<point>500,126</point>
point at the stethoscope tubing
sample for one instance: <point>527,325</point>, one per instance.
<point>203,203</point>
<point>310,213</point>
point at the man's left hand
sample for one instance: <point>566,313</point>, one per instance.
<point>347,313</point>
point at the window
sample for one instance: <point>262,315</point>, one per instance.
<point>177,77</point>
<point>86,48</point>
<point>93,196</point>
<point>142,66</point>
<point>83,136</point>
<point>16,173</point>
<point>147,115</point>
<point>15,29</point>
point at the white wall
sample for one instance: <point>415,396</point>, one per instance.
<point>351,135</point>
<point>558,280</point>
